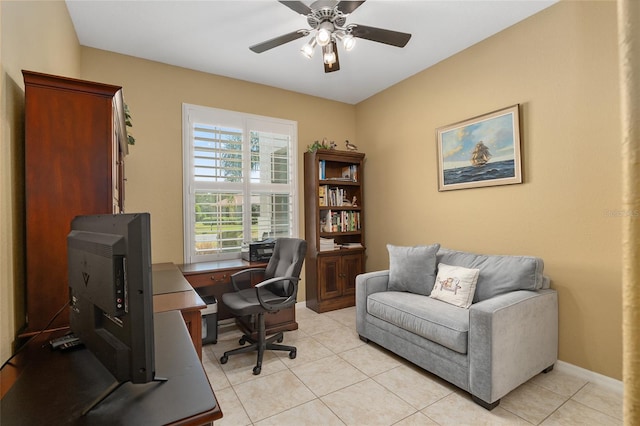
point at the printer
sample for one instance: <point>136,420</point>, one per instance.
<point>259,251</point>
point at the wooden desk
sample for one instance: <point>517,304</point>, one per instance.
<point>214,279</point>
<point>53,387</point>
<point>171,292</point>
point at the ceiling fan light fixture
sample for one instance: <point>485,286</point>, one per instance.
<point>348,41</point>
<point>309,48</point>
<point>328,55</point>
<point>323,36</point>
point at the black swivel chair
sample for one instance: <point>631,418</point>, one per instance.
<point>278,291</point>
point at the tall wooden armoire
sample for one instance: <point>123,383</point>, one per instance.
<point>75,144</point>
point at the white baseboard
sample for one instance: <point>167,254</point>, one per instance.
<point>592,376</point>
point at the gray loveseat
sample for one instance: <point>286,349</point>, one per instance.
<point>507,335</point>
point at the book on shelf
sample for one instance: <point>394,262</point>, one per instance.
<point>334,196</point>
<point>327,244</point>
<point>351,245</point>
<point>322,195</point>
<point>341,221</point>
<point>350,173</point>
<point>347,173</point>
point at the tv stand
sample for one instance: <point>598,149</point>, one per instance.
<point>111,389</point>
<point>44,386</point>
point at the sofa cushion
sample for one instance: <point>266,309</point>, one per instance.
<point>498,274</point>
<point>412,269</point>
<point>442,323</point>
<point>455,285</point>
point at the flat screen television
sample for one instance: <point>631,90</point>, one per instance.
<point>111,294</point>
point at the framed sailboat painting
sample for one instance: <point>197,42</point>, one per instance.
<point>481,151</point>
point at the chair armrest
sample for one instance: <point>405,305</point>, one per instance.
<point>512,337</point>
<point>270,306</point>
<point>241,273</point>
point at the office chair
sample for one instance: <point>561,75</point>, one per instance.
<point>278,291</point>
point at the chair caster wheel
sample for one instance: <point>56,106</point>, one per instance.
<point>256,370</point>
<point>292,354</point>
<point>224,359</point>
<point>280,339</point>
<point>242,341</point>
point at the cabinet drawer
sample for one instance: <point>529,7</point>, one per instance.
<point>213,284</point>
<point>209,278</point>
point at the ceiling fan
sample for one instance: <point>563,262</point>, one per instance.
<point>328,19</point>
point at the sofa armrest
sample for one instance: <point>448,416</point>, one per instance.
<point>372,282</point>
<point>512,337</point>
<point>366,284</point>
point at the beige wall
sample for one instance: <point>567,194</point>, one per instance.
<point>35,36</point>
<point>155,93</point>
<point>561,66</point>
<point>629,50</point>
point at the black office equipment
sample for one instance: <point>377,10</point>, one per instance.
<point>111,294</point>
<point>259,251</point>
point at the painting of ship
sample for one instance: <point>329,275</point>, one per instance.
<point>480,155</point>
<point>480,151</point>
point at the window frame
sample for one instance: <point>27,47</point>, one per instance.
<point>192,114</point>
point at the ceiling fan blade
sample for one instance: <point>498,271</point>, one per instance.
<point>393,38</point>
<point>297,6</point>
<point>348,7</point>
<point>336,65</point>
<point>275,42</point>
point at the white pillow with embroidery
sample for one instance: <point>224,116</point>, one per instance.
<point>455,285</point>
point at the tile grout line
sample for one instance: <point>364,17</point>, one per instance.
<point>340,354</point>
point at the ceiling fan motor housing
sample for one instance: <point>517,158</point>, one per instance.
<point>322,11</point>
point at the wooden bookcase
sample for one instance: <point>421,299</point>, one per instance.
<point>333,180</point>
<point>75,143</point>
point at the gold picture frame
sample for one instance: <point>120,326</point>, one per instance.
<point>480,151</point>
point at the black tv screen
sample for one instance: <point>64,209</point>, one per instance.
<point>111,294</point>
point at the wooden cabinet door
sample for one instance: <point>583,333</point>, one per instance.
<point>329,278</point>
<point>351,267</point>
<point>70,159</point>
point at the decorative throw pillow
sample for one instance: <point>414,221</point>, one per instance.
<point>455,285</point>
<point>412,269</point>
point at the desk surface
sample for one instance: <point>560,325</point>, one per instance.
<point>54,387</point>
<point>167,278</point>
<point>171,291</point>
<point>219,265</point>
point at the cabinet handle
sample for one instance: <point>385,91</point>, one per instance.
<point>213,278</point>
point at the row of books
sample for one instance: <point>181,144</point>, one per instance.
<point>347,173</point>
<point>343,221</point>
<point>328,244</point>
<point>328,196</point>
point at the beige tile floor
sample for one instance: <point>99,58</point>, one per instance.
<point>336,379</point>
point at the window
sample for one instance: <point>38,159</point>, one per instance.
<point>240,181</point>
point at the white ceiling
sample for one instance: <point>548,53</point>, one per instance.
<point>214,37</point>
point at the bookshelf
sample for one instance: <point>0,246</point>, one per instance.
<point>334,227</point>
